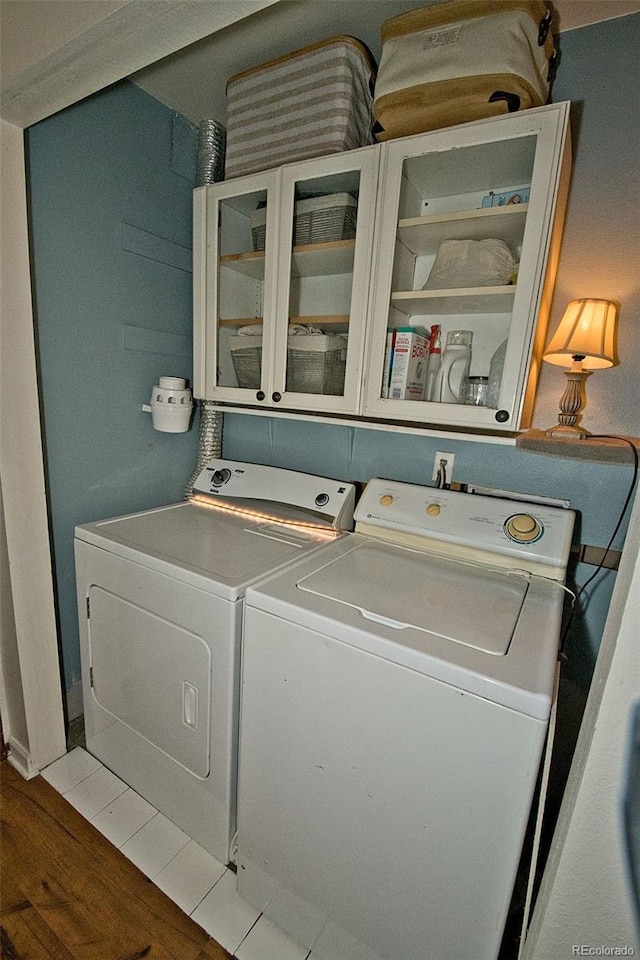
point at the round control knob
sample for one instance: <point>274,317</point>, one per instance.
<point>260,395</point>
<point>218,477</point>
<point>322,499</point>
<point>386,500</point>
<point>276,397</point>
<point>523,528</point>
<point>433,509</point>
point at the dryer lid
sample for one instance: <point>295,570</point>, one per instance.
<point>225,552</point>
<point>410,590</point>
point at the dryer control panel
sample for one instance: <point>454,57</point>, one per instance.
<point>276,493</point>
<point>532,536</point>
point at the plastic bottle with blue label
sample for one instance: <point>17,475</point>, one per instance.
<point>454,367</point>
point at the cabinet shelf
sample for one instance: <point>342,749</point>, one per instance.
<point>462,300</point>
<point>310,260</point>
<point>422,235</point>
<point>319,321</point>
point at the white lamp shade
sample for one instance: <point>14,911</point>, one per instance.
<point>587,330</point>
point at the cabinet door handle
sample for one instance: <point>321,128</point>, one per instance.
<point>260,395</point>
<point>276,397</point>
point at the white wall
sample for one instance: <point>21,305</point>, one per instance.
<point>584,898</point>
<point>34,29</point>
<point>29,645</point>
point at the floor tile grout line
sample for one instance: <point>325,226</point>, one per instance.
<point>246,935</point>
<point>108,803</point>
<point>119,848</point>
<point>63,793</point>
<point>191,913</point>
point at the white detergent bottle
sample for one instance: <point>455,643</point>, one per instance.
<point>454,367</point>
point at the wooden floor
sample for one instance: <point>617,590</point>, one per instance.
<point>67,894</point>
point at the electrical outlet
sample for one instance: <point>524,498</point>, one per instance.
<point>449,459</point>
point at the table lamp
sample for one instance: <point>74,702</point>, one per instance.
<point>584,341</point>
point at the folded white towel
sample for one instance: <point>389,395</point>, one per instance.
<point>298,329</point>
<point>251,330</point>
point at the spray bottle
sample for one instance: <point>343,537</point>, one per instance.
<point>433,361</point>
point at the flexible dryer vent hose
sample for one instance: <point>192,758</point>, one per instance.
<point>210,162</point>
<point>209,441</point>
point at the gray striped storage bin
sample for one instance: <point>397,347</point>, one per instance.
<point>315,101</point>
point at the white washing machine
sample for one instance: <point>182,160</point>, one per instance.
<point>160,602</point>
<point>396,692</point>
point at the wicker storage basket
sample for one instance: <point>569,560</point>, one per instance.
<point>258,220</point>
<point>316,364</point>
<point>314,101</point>
<point>246,354</point>
<point>323,219</point>
<point>317,220</point>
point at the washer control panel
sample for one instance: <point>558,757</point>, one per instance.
<point>532,535</point>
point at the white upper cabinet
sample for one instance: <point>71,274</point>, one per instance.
<point>306,277</point>
<point>502,180</point>
<point>281,276</point>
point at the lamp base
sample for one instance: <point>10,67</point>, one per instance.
<point>571,403</point>
<point>566,432</point>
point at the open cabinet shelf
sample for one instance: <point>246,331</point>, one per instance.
<point>462,300</point>
<point>422,235</point>
<point>310,260</point>
<point>316,321</point>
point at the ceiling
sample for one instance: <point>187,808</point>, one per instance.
<point>192,81</point>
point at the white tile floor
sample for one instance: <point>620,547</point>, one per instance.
<point>201,886</point>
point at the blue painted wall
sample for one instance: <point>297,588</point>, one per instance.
<point>111,181</point>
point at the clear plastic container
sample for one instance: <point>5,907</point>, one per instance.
<point>475,392</point>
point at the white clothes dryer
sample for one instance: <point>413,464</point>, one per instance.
<point>396,693</point>
<point>160,604</point>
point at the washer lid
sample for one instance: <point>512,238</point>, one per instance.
<point>461,602</point>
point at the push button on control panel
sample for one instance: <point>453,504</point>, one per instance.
<point>523,528</point>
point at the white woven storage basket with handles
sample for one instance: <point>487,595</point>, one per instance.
<point>246,354</point>
<point>316,220</point>
<point>316,363</point>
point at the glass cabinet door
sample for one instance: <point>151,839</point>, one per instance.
<point>327,213</point>
<point>465,238</point>
<point>234,289</point>
<point>281,284</point>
